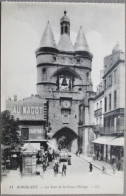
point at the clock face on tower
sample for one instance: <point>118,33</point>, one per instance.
<point>66,104</point>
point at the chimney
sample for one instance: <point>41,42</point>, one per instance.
<point>15,97</point>
<point>101,75</point>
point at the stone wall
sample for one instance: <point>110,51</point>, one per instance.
<point>56,118</point>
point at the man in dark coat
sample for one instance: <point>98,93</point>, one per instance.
<point>44,166</point>
<point>64,170</point>
<point>55,169</point>
<point>90,167</point>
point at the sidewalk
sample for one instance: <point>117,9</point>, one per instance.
<point>100,164</point>
<point>5,172</point>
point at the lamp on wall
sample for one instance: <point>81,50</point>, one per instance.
<point>48,131</point>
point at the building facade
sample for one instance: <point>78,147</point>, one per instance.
<point>99,108</point>
<point>65,109</point>
<point>111,144</point>
<point>86,130</point>
<point>63,79</point>
<point>63,84</point>
<point>31,113</point>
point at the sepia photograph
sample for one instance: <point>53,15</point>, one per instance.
<point>62,98</point>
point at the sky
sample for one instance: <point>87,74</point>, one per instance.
<point>22,27</point>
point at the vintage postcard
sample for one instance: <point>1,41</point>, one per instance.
<point>63,98</point>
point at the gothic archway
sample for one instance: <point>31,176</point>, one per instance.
<point>65,138</point>
<point>65,78</point>
<point>66,71</point>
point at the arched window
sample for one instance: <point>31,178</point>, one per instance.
<point>87,75</point>
<point>80,89</point>
<point>54,58</point>
<point>65,29</point>
<point>78,60</point>
<point>61,30</point>
<point>65,82</point>
<point>44,74</point>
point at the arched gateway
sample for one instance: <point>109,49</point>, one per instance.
<point>66,138</point>
<point>64,80</point>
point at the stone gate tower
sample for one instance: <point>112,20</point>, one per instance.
<point>63,79</point>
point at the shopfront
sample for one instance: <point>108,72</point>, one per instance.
<point>102,148</point>
<point>110,149</point>
<point>117,152</point>
<point>31,113</point>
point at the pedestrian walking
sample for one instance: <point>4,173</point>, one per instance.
<point>103,169</point>
<point>20,165</point>
<point>69,159</point>
<point>94,157</point>
<point>41,171</point>
<point>90,167</point>
<point>55,169</point>
<point>113,159</point>
<point>53,154</point>
<point>64,170</point>
<point>122,164</point>
<point>60,169</point>
<point>44,166</point>
<point>114,167</point>
<point>119,165</point>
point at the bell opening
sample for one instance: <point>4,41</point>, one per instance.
<point>64,82</point>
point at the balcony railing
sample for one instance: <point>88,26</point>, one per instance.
<point>112,130</point>
<point>98,112</point>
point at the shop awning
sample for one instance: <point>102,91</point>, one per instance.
<point>117,141</point>
<point>103,140</point>
<point>35,145</point>
<point>35,140</point>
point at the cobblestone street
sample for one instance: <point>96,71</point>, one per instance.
<point>78,179</point>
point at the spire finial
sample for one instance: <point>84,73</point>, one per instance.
<point>65,12</point>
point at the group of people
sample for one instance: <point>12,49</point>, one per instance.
<point>91,168</point>
<point>78,152</point>
<point>117,163</point>
<point>57,167</point>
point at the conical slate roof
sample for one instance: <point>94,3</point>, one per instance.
<point>65,43</point>
<point>81,42</point>
<point>48,38</point>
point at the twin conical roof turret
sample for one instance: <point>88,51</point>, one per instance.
<point>65,44</point>
<point>81,42</point>
<point>48,38</point>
